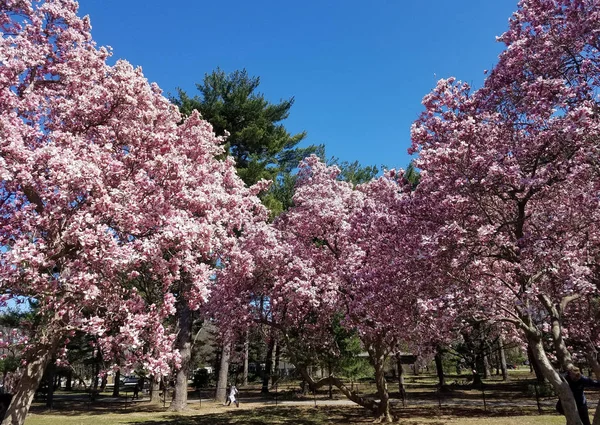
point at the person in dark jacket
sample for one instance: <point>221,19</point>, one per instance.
<point>577,382</point>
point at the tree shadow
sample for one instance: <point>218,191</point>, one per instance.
<point>80,408</point>
<point>433,412</point>
<point>273,415</point>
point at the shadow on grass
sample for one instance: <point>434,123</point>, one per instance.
<point>431,412</point>
<point>272,415</point>
<point>328,415</point>
<point>74,408</point>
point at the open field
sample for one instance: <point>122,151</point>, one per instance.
<point>294,415</point>
<point>506,403</point>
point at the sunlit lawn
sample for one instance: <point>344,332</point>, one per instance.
<point>288,416</point>
<point>516,407</point>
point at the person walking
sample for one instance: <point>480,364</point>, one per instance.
<point>233,392</point>
<point>577,382</point>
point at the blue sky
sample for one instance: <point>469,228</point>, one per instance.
<point>358,70</point>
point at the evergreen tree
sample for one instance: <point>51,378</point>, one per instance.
<point>259,143</point>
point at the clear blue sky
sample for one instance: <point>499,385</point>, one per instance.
<point>358,70</point>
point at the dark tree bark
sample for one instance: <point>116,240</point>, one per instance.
<point>440,369</point>
<point>69,383</point>
<point>268,366</point>
<point>50,375</point>
<point>183,343</point>
<point>96,384</point>
<point>103,383</point>
<point>329,370</point>
<point>401,387</point>
<point>116,388</point>
<point>476,367</point>
<point>275,376</point>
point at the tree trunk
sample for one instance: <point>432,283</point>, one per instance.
<point>96,383</point>
<point>377,356</point>
<point>28,384</point>
<point>154,390</point>
<point>221,394</point>
<point>183,343</point>
<point>535,365</point>
<point>562,352</point>
<point>268,366</point>
<point>486,366</point>
<point>275,376</point>
<point>352,395</point>
<point>502,362</point>
<point>69,383</point>
<point>560,385</point>
<point>50,374</point>
<point>330,372</point>
<point>497,362</point>
<point>401,387</point>
<point>246,355</point>
<point>117,380</point>
<point>367,403</point>
<point>440,369</point>
<point>592,358</point>
<point>475,368</point>
<point>103,383</point>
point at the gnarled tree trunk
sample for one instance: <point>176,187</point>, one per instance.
<point>555,379</point>
<point>38,359</point>
<point>338,383</point>
<point>352,395</point>
<point>377,356</point>
<point>592,358</point>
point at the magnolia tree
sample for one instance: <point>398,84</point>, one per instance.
<point>510,178</point>
<point>337,252</point>
<point>98,182</point>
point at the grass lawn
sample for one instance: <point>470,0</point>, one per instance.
<point>509,403</point>
<point>287,415</point>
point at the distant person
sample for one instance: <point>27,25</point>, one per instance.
<point>233,392</point>
<point>577,382</point>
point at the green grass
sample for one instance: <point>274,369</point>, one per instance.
<point>519,408</point>
<point>291,416</point>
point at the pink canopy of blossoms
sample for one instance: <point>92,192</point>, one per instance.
<point>99,182</point>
